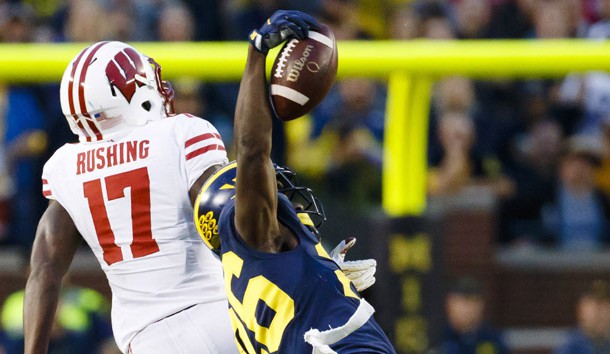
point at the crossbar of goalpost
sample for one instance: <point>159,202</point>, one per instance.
<point>409,66</point>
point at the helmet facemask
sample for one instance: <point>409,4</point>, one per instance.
<point>309,209</point>
<point>165,88</point>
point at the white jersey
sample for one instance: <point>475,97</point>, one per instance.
<point>129,200</point>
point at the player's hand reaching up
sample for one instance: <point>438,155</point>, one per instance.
<point>281,26</point>
<point>361,273</point>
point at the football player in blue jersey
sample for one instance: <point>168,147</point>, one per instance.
<point>286,294</point>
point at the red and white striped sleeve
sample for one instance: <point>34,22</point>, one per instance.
<point>203,146</point>
<point>47,191</point>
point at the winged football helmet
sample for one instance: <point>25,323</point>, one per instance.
<point>220,188</point>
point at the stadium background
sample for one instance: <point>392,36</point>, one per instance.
<point>483,142</point>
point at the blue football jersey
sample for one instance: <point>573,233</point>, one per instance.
<point>274,298</point>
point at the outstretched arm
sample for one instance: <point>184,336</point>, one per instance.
<point>256,188</point>
<point>54,247</point>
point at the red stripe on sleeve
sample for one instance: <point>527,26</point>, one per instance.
<point>46,193</point>
<point>199,138</point>
<point>203,150</point>
<point>44,181</point>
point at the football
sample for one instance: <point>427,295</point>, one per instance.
<point>302,74</point>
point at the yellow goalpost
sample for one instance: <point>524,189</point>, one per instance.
<point>410,68</point>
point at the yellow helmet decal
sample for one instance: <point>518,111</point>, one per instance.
<point>208,230</point>
<point>206,224</point>
<point>229,186</point>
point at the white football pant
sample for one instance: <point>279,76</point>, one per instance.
<point>201,329</point>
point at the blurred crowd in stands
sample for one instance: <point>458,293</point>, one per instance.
<point>468,330</point>
<point>81,324</point>
<point>541,146</point>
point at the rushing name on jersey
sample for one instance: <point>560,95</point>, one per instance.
<point>129,199</point>
<point>278,300</point>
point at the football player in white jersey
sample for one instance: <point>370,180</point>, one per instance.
<point>127,187</point>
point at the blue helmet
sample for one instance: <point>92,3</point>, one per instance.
<point>220,188</point>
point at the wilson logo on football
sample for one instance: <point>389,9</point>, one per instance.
<point>298,65</point>
<point>125,74</point>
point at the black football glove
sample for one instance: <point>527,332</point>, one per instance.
<point>281,26</point>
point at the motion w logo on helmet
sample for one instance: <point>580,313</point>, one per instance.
<point>123,73</point>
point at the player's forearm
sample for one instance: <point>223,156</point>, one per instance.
<point>256,190</point>
<point>41,297</point>
<point>253,113</point>
<point>52,253</point>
